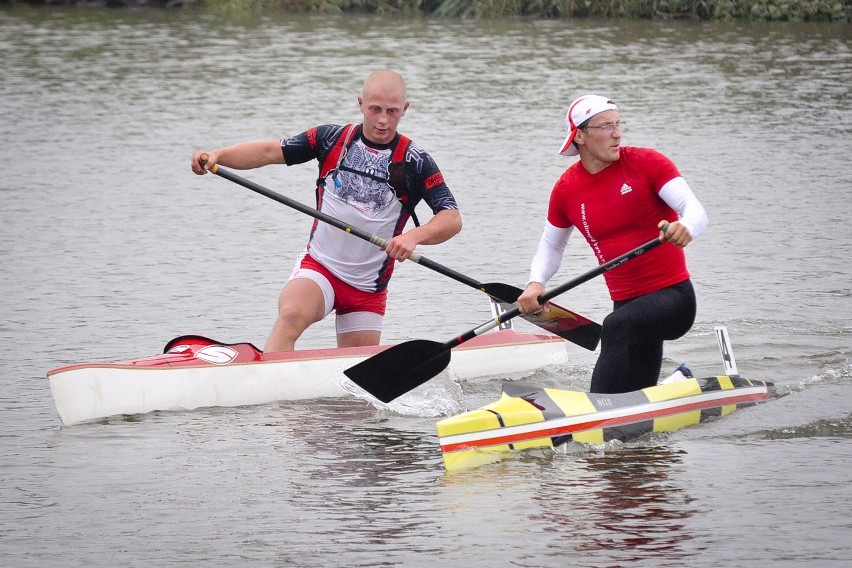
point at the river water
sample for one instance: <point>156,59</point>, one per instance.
<point>110,247</point>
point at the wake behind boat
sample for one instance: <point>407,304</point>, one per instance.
<point>531,417</point>
<point>195,372</point>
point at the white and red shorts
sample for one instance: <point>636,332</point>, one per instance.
<point>356,310</point>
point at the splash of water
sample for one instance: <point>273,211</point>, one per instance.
<point>433,399</point>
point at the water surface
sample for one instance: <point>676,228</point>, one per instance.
<point>110,247</point>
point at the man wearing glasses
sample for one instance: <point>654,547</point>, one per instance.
<point>618,197</point>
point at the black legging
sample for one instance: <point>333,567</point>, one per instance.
<point>632,338</point>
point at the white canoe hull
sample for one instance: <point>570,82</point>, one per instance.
<point>86,392</point>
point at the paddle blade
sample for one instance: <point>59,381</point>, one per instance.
<point>502,292</point>
<point>399,369</point>
<point>568,325</point>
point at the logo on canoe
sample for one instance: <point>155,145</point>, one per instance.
<point>216,354</point>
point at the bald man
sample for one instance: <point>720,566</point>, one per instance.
<point>370,177</point>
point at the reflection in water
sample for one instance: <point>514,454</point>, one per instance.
<point>595,507</point>
<point>624,503</point>
<point>640,507</point>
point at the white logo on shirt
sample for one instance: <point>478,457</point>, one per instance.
<point>625,189</point>
<point>366,193</point>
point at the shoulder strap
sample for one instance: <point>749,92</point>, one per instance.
<point>337,153</point>
<point>401,148</point>
<point>396,177</point>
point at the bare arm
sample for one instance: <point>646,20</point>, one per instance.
<point>444,225</point>
<point>245,156</point>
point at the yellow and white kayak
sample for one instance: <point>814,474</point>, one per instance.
<point>532,417</point>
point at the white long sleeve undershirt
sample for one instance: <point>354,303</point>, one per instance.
<point>548,255</point>
<point>677,195</point>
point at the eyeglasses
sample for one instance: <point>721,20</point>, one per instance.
<point>609,127</point>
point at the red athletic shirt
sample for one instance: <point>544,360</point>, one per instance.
<point>617,209</point>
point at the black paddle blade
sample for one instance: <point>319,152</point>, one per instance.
<point>399,369</point>
<point>503,293</point>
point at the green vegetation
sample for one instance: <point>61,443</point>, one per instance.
<point>741,10</point>
<point>771,10</point>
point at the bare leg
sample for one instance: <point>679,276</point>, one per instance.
<point>299,305</point>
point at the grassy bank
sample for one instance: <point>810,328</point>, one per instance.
<point>742,10</point>
<point>761,10</point>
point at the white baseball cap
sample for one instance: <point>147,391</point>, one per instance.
<point>579,112</point>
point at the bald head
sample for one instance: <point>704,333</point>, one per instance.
<point>388,83</point>
<point>383,104</point>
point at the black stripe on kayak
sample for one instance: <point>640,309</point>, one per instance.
<point>501,423</point>
<point>539,398</point>
<point>738,381</point>
<point>628,431</point>
<point>708,413</point>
